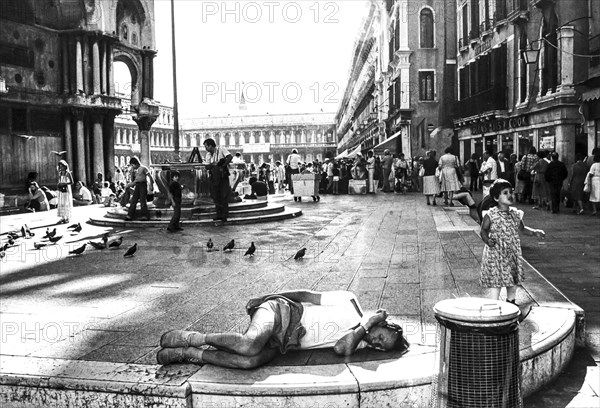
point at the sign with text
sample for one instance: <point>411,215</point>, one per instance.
<point>498,125</point>
<point>547,143</point>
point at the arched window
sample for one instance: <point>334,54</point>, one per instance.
<point>426,27</point>
<point>134,39</point>
<point>549,59</point>
<point>125,32</point>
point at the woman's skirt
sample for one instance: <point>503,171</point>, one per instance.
<point>595,189</point>
<point>449,179</point>
<point>431,185</point>
<point>65,203</point>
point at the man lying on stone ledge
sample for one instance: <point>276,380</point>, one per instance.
<point>295,320</point>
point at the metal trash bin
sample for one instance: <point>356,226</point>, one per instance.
<point>478,355</point>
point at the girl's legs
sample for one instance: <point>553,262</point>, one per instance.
<point>451,195</point>
<point>495,293</point>
<point>511,293</point>
<point>580,203</point>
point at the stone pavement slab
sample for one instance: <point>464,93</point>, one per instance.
<point>392,250</point>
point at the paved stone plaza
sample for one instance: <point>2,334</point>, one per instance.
<point>392,250</point>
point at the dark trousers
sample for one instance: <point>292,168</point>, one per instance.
<point>140,193</point>
<point>473,184</point>
<point>174,224</point>
<point>220,192</point>
<point>555,196</point>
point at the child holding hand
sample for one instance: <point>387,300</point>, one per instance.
<point>502,263</point>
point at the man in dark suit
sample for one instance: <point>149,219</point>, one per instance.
<point>555,176</point>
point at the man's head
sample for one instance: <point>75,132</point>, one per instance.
<point>210,145</point>
<point>294,151</point>
<point>500,156</point>
<point>175,175</point>
<point>78,184</point>
<point>252,180</point>
<point>135,162</point>
<point>33,186</point>
<point>554,156</point>
<point>387,336</point>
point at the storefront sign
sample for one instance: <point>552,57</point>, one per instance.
<point>498,125</point>
<point>547,143</point>
<point>257,148</point>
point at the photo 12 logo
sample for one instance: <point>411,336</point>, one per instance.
<point>271,92</point>
<point>269,11</point>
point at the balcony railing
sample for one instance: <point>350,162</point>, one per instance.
<point>463,43</point>
<point>486,25</point>
<point>488,100</point>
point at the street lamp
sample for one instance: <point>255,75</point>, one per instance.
<point>530,54</point>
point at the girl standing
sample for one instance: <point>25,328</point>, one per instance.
<point>502,263</point>
<point>65,195</point>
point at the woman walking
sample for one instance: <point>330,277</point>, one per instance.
<point>579,171</point>
<point>372,186</point>
<point>65,194</point>
<point>594,180</point>
<point>448,177</point>
<point>431,184</point>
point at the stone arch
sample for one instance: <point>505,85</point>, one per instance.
<point>134,65</point>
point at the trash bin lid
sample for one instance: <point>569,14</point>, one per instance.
<point>473,309</point>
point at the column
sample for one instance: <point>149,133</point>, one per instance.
<point>96,67</point>
<point>65,65</point>
<point>85,48</point>
<point>97,146</point>
<point>79,168</point>
<point>565,143</point>
<point>461,152</point>
<point>78,66</point>
<point>103,69</point>
<point>68,139</point>
<point>110,76</point>
<point>565,38</point>
<point>314,137</point>
<point>302,136</point>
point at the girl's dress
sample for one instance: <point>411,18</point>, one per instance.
<point>65,199</point>
<point>502,264</point>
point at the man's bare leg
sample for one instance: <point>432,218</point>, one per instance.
<point>253,340</point>
<point>231,360</point>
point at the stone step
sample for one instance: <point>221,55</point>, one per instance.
<point>450,220</point>
<point>272,212</point>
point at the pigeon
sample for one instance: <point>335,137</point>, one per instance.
<point>2,254</point>
<point>209,245</point>
<point>229,246</point>
<point>78,251</point>
<point>131,250</point>
<point>105,239</point>
<point>39,245</point>
<point>73,226</point>
<point>97,245</point>
<point>13,235</point>
<point>59,154</point>
<point>11,241</point>
<point>77,229</point>
<point>116,243</point>
<point>28,232</point>
<point>23,232</point>
<point>251,250</point>
<point>300,254</point>
<point>54,240</point>
<point>50,234</point>
<point>4,247</point>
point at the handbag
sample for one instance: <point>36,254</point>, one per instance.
<point>523,175</point>
<point>422,172</point>
<point>63,189</point>
<point>587,187</point>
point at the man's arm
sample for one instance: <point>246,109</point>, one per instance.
<point>346,346</point>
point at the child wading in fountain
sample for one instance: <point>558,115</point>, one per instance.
<point>502,263</point>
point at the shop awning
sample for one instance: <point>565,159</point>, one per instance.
<point>352,154</point>
<point>594,94</point>
<point>342,155</point>
<point>390,143</point>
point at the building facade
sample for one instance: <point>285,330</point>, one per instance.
<point>57,67</point>
<point>401,83</point>
<point>521,64</point>
<point>590,91</point>
<point>265,138</point>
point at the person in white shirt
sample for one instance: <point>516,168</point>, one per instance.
<point>293,162</point>
<point>81,195</point>
<point>296,320</point>
<point>489,170</point>
<point>217,162</point>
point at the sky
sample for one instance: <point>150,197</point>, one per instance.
<point>286,56</point>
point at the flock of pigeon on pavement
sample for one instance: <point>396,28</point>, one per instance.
<point>50,238</point>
